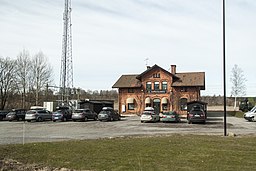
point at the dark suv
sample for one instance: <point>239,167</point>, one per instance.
<point>196,114</point>
<point>62,113</point>
<point>108,114</point>
<point>16,114</point>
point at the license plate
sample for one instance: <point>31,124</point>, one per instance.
<point>197,115</point>
<point>56,118</point>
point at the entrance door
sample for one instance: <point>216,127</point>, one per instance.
<point>156,105</point>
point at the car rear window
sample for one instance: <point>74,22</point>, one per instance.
<point>105,112</point>
<point>78,111</point>
<point>196,112</point>
<point>31,112</point>
<point>147,113</point>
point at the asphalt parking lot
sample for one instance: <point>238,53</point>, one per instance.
<point>26,132</point>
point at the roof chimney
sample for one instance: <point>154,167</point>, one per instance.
<point>148,67</point>
<point>173,69</point>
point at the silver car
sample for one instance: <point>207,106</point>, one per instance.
<point>149,115</point>
<point>84,115</point>
<point>38,115</point>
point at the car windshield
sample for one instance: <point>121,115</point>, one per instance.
<point>253,109</point>
<point>105,112</point>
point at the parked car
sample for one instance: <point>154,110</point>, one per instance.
<point>16,114</point>
<point>84,115</point>
<point>170,116</point>
<point>38,115</point>
<point>149,115</point>
<point>108,114</point>
<point>196,114</point>
<point>3,114</point>
<point>63,113</point>
<point>251,115</point>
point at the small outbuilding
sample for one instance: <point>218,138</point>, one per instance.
<point>96,105</point>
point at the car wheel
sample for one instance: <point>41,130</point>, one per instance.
<point>189,122</point>
<point>95,118</point>
<point>39,119</point>
<point>252,119</point>
<point>54,120</point>
<point>1,118</point>
<point>110,118</point>
<point>64,119</point>
<point>85,119</point>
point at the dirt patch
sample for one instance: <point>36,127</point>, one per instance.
<point>13,165</point>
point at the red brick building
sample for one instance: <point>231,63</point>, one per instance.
<point>159,88</point>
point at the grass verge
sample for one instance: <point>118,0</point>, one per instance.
<point>238,114</point>
<point>175,152</point>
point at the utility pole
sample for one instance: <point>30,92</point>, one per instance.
<point>224,70</point>
<point>66,73</point>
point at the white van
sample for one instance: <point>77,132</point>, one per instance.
<point>251,115</point>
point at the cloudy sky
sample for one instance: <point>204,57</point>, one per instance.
<point>114,37</point>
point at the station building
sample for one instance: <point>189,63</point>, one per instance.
<point>156,87</point>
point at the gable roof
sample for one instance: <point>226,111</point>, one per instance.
<point>152,68</point>
<point>127,81</point>
<point>190,79</point>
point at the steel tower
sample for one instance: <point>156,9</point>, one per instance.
<point>66,73</point>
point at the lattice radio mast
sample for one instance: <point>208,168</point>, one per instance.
<point>66,73</point>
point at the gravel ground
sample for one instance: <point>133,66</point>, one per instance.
<point>26,132</point>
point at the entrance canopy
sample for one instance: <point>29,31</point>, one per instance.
<point>147,100</point>
<point>130,100</point>
<point>164,100</point>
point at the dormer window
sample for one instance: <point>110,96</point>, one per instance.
<point>156,75</point>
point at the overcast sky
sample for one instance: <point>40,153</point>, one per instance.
<point>114,37</point>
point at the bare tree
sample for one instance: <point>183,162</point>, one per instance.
<point>41,74</point>
<point>23,72</point>
<point>238,81</point>
<point>7,79</point>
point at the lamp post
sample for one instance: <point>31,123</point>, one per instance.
<point>224,70</point>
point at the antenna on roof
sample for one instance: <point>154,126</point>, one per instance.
<point>146,60</point>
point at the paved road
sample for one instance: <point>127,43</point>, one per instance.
<point>25,132</point>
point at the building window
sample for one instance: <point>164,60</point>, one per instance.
<point>130,90</point>
<point>156,75</point>
<point>183,104</point>
<point>130,106</point>
<point>164,107</point>
<point>164,85</point>
<point>148,86</point>
<point>148,105</point>
<point>156,86</point>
